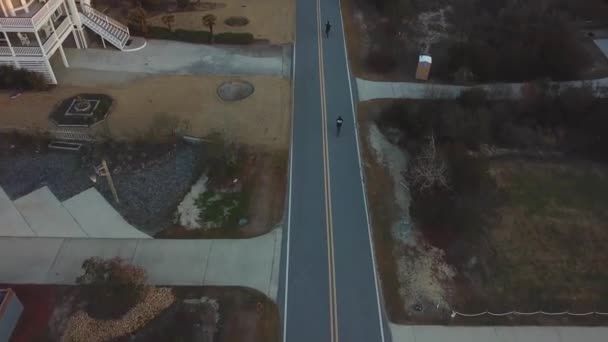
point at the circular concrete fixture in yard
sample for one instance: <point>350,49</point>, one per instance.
<point>231,91</point>
<point>236,21</point>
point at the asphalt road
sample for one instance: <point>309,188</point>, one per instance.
<point>329,286</point>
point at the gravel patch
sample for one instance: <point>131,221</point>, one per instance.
<point>62,172</point>
<point>395,160</point>
<point>149,197</point>
<point>149,191</point>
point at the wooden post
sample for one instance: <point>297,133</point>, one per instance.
<point>106,171</point>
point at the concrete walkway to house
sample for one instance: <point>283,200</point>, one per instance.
<point>171,57</point>
<point>427,333</point>
<point>41,214</point>
<point>246,262</point>
<point>369,90</point>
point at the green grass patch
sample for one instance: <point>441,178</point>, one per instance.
<point>200,37</point>
<point>539,189</point>
<point>222,209</point>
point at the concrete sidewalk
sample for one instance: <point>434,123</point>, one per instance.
<point>369,90</point>
<point>424,333</point>
<point>246,262</point>
<point>171,57</point>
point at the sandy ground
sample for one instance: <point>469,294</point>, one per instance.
<point>260,120</point>
<point>273,20</point>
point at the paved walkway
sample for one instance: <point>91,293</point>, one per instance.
<point>248,262</point>
<point>369,90</point>
<point>41,214</point>
<point>171,57</point>
<point>422,333</point>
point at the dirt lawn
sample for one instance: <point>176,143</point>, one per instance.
<point>260,120</point>
<point>272,20</point>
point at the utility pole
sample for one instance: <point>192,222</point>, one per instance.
<point>104,171</point>
<point>104,165</point>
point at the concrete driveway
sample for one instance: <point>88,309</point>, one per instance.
<point>171,57</point>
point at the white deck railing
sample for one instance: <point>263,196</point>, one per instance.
<point>88,10</point>
<point>5,51</point>
<point>64,26</point>
<point>49,43</point>
<point>35,20</point>
<point>27,50</point>
<point>45,12</point>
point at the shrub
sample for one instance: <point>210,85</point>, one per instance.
<point>469,126</point>
<point>381,62</point>
<point>468,174</point>
<point>160,5</point>
<point>236,38</point>
<point>183,3</point>
<point>518,136</point>
<point>111,287</point>
<point>473,97</point>
<point>412,120</point>
<point>199,37</point>
<point>156,32</point>
<point>12,78</point>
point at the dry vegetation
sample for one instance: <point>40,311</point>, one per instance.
<point>474,40</point>
<point>269,20</point>
<point>519,227</point>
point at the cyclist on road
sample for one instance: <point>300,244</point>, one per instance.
<point>327,28</point>
<point>339,121</point>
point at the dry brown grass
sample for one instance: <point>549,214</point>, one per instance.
<point>273,20</point>
<point>548,245</point>
<point>262,119</point>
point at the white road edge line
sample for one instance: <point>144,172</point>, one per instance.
<point>293,87</point>
<point>356,126</point>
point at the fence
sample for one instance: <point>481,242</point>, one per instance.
<point>540,312</point>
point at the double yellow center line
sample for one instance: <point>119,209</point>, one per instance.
<point>333,316</point>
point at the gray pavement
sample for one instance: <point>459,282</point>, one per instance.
<point>306,290</point>
<point>13,223</point>
<point>247,262</point>
<point>309,265</point>
<point>369,90</point>
<point>424,333</point>
<point>46,215</point>
<point>359,309</point>
<point>171,57</point>
<point>98,218</point>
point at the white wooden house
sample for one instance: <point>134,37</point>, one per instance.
<point>32,31</point>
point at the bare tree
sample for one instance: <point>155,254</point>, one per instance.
<point>169,20</point>
<point>429,169</point>
<point>209,21</point>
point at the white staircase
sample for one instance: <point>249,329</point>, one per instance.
<point>109,29</point>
